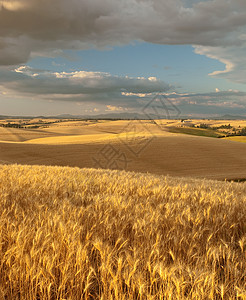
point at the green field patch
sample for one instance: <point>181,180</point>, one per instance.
<point>195,131</point>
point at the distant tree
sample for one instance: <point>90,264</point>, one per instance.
<point>225,126</point>
<point>204,126</point>
<point>243,131</point>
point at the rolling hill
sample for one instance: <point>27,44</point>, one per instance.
<point>135,146</point>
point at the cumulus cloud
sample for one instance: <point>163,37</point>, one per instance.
<point>80,86</point>
<point>216,28</point>
<point>115,93</point>
<point>29,27</point>
<point>102,87</point>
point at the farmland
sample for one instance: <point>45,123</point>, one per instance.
<point>68,233</point>
<point>159,147</point>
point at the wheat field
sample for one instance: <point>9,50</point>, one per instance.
<point>70,233</point>
<point>146,146</point>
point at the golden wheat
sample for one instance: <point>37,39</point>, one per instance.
<point>67,233</point>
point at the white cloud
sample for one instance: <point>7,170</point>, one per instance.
<point>13,5</point>
<point>152,79</point>
<point>115,108</point>
<point>234,59</point>
<point>140,95</point>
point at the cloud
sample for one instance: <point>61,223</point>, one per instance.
<point>84,86</point>
<point>79,86</point>
<point>209,104</point>
<point>215,95</point>
<point>31,27</point>
<point>192,104</point>
<point>212,104</point>
<point>233,58</point>
<point>216,28</point>
<point>116,93</point>
<point>115,108</point>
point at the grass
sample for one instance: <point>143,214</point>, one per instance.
<point>195,131</point>
<point>67,233</point>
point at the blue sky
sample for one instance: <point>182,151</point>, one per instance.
<point>176,64</point>
<point>90,58</point>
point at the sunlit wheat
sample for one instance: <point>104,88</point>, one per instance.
<point>67,233</point>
